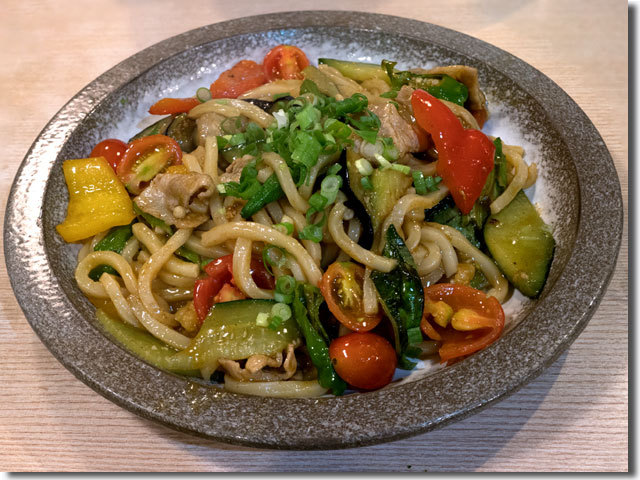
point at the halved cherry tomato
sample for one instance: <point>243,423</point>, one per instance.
<point>173,106</point>
<point>341,287</point>
<point>364,360</point>
<point>242,77</point>
<point>218,286</point>
<point>145,158</point>
<point>465,157</point>
<point>479,318</point>
<point>284,62</point>
<point>112,149</point>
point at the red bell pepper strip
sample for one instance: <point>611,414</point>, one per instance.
<point>242,77</point>
<point>173,106</point>
<point>465,157</point>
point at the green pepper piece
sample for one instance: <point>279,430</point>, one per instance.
<point>270,191</point>
<point>439,85</point>
<point>114,241</point>
<point>316,346</point>
<point>153,221</point>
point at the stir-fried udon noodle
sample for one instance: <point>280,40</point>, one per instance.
<point>295,230</point>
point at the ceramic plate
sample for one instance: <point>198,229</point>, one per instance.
<point>578,192</point>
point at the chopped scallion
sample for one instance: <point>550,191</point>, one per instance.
<point>284,227</point>
<point>330,187</point>
<point>419,183</point>
<point>317,201</point>
<point>282,118</point>
<point>334,169</point>
<point>384,163</point>
<point>275,323</point>
<point>203,94</point>
<point>262,319</point>
<point>312,232</point>
<point>414,335</point>
<point>401,168</point>
<point>281,310</point>
<point>366,183</point>
<point>364,167</point>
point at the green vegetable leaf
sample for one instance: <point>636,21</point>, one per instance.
<point>447,213</point>
<point>400,293</point>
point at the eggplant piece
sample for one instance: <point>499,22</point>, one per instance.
<point>158,128</point>
<point>366,239</point>
<point>183,131</point>
<point>267,105</point>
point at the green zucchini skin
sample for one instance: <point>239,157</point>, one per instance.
<point>230,331</point>
<point>521,244</point>
<point>144,345</point>
<point>356,70</point>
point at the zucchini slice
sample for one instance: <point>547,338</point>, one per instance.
<point>521,244</point>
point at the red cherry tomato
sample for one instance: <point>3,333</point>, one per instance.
<point>112,149</point>
<point>465,157</point>
<point>342,290</point>
<point>145,158</point>
<point>242,77</point>
<point>173,106</point>
<point>364,360</point>
<point>259,273</point>
<point>285,62</point>
<point>218,285</point>
<point>484,319</point>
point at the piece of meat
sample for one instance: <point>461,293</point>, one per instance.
<point>180,199</point>
<point>477,102</point>
<point>263,368</point>
<point>234,170</point>
<point>394,125</point>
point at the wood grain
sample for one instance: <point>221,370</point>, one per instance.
<point>574,417</point>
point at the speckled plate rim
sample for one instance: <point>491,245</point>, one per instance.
<point>328,423</point>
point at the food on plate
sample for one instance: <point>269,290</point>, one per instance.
<point>296,229</point>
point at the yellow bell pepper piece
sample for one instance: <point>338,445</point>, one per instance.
<point>97,199</point>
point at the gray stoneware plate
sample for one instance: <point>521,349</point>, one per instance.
<point>578,191</point>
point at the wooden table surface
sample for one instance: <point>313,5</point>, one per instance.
<point>574,417</point>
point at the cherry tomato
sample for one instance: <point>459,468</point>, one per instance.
<point>111,149</point>
<point>218,286</point>
<point>173,106</point>
<point>223,265</point>
<point>465,157</point>
<point>145,158</point>
<point>204,290</point>
<point>285,62</point>
<point>342,290</point>
<point>364,360</point>
<point>480,320</point>
<point>242,77</point>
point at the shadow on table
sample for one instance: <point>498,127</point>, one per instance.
<point>466,445</point>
